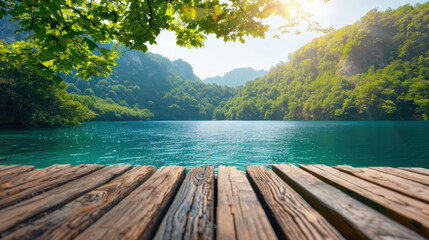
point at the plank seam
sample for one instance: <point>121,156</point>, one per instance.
<point>215,188</point>
<point>230,207</point>
<point>393,215</point>
<point>319,208</point>
<point>48,189</point>
<point>164,211</point>
<point>267,210</point>
<point>56,207</point>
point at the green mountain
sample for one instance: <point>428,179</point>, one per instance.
<point>152,85</point>
<point>143,86</point>
<point>27,98</point>
<point>377,68</point>
<point>237,77</point>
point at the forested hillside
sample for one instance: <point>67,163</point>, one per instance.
<point>377,68</point>
<point>148,86</point>
<point>30,99</point>
<point>237,77</point>
<point>143,86</point>
<point>27,98</point>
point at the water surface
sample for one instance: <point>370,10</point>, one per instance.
<point>238,143</point>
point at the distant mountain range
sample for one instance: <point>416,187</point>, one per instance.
<point>237,77</point>
<point>168,90</point>
<point>377,68</point>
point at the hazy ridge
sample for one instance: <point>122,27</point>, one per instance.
<point>237,77</point>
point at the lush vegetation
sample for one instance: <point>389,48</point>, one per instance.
<point>107,109</point>
<point>63,34</point>
<point>69,37</point>
<point>150,86</point>
<point>377,68</point>
<point>27,98</point>
<point>143,86</point>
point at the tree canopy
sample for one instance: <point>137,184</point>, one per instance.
<point>27,98</point>
<point>377,68</point>
<point>63,34</point>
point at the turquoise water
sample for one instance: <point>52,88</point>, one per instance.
<point>238,143</point>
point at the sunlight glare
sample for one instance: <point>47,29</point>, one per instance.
<point>319,9</point>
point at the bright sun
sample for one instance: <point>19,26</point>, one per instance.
<point>318,8</point>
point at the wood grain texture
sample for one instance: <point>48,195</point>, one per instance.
<point>57,197</point>
<point>293,216</point>
<point>239,213</point>
<point>30,189</point>
<point>423,171</point>
<point>403,186</point>
<point>352,218</point>
<point>140,213</point>
<point>191,215</point>
<point>5,167</point>
<point>420,178</point>
<point>410,212</point>
<point>72,219</point>
<point>12,172</point>
<point>31,176</point>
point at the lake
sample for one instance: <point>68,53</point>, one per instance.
<point>237,143</point>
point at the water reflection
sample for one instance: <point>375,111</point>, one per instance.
<point>238,143</point>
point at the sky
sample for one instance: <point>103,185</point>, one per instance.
<point>218,57</point>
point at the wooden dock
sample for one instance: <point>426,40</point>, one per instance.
<point>285,202</point>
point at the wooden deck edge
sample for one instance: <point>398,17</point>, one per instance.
<point>411,224</point>
<point>270,214</point>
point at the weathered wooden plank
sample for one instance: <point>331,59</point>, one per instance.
<point>31,176</point>
<point>420,178</point>
<point>57,197</point>
<point>29,189</point>
<point>139,214</point>
<point>239,213</point>
<point>5,167</point>
<point>191,215</point>
<point>352,218</point>
<point>410,212</point>
<point>12,172</point>
<point>72,219</point>
<point>294,218</point>
<point>404,186</point>
<point>423,171</point>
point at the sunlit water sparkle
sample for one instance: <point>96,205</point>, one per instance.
<point>237,143</point>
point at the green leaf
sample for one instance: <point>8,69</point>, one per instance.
<point>104,51</point>
<point>57,79</point>
<point>92,45</point>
